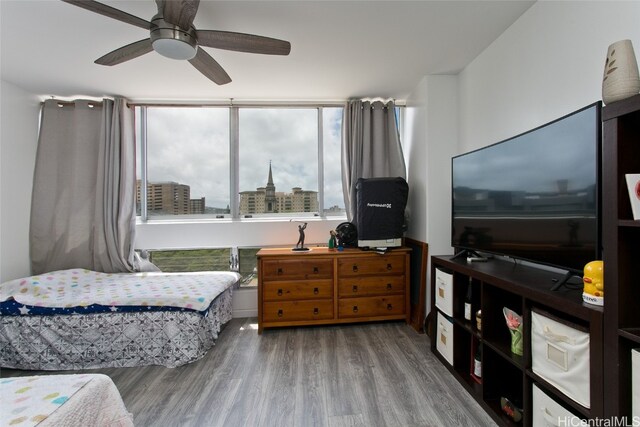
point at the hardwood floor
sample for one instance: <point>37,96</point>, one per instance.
<point>380,374</point>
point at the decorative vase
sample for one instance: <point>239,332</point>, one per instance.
<point>514,323</point>
<point>620,79</point>
<point>517,344</point>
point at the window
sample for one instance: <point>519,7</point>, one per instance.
<point>187,161</point>
<point>278,152</point>
<point>332,142</point>
<point>240,259</point>
<point>282,162</point>
<point>191,260</point>
<point>248,266</point>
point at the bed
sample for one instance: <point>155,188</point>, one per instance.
<point>81,319</point>
<point>62,400</point>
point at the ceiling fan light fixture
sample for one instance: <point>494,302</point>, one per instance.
<point>172,41</point>
<point>174,48</point>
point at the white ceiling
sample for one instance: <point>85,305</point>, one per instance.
<point>340,49</point>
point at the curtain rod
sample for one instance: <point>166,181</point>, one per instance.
<point>248,104</point>
<point>230,103</point>
<point>234,103</point>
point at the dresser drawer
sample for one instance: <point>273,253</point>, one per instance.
<point>365,286</point>
<point>371,306</point>
<point>287,269</point>
<point>286,311</point>
<point>384,264</point>
<point>297,290</point>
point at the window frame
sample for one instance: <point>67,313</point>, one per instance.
<point>234,161</point>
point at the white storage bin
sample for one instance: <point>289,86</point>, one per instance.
<point>635,383</point>
<point>546,412</point>
<point>560,355</point>
<point>444,340</point>
<point>444,292</point>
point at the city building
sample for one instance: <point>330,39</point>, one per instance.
<point>268,200</point>
<point>170,198</point>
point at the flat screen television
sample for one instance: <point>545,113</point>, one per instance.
<point>535,196</point>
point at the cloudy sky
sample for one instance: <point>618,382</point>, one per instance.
<point>191,146</point>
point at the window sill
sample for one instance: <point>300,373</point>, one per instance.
<point>209,220</point>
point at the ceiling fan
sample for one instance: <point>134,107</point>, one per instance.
<point>173,35</point>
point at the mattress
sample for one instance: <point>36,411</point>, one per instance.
<point>125,334</point>
<point>62,400</point>
<point>79,291</point>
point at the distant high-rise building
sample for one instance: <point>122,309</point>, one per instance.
<point>268,200</point>
<point>170,198</point>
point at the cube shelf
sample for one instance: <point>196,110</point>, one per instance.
<point>620,237</point>
<point>522,288</point>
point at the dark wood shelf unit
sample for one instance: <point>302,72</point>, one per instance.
<point>629,223</point>
<point>520,287</point>
<point>621,234</point>
<point>504,349</point>
<point>632,334</point>
<point>467,326</point>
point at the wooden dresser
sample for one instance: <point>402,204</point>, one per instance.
<point>323,286</point>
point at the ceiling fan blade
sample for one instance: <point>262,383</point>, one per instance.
<point>241,42</point>
<point>210,68</point>
<point>178,12</point>
<point>111,12</point>
<point>126,53</point>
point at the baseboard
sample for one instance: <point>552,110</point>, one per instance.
<point>241,314</point>
<point>245,302</point>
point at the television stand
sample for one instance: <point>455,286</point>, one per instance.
<point>524,289</point>
<point>565,282</point>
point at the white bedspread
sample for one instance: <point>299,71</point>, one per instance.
<point>79,288</point>
<point>62,400</point>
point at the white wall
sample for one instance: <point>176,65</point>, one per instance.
<point>431,140</point>
<point>547,64</point>
<point>212,234</point>
<point>19,115</point>
<point>415,150</point>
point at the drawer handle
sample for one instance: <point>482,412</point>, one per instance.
<point>316,311</point>
<point>355,288</point>
<point>315,270</point>
<point>389,267</point>
<point>389,286</point>
<point>355,308</point>
<point>355,268</point>
<point>389,307</point>
<point>279,270</point>
<point>280,313</point>
<point>316,291</point>
<point>279,292</point>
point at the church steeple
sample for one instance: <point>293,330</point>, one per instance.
<point>270,196</point>
<point>270,181</point>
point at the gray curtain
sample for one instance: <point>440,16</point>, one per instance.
<point>370,147</point>
<point>83,203</point>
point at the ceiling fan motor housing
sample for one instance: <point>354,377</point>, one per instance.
<point>172,41</point>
